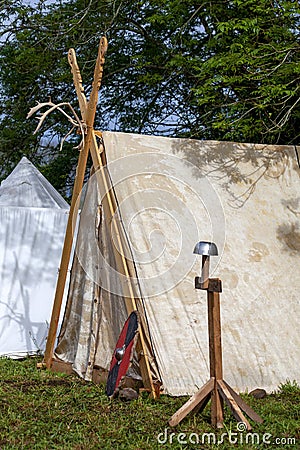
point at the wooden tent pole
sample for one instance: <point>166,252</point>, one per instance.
<point>78,184</point>
<point>122,265</point>
<point>110,209</point>
<point>65,258</point>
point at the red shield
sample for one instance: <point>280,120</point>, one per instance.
<point>122,354</point>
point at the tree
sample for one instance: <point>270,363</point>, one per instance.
<point>208,70</point>
<point>252,76</point>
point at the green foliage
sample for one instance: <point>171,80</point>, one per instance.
<point>289,388</point>
<point>208,70</point>
<point>251,75</point>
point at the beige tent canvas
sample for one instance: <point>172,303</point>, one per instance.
<point>170,194</point>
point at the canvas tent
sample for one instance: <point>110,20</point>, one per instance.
<point>171,193</point>
<point>33,218</point>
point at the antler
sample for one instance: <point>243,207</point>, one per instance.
<point>77,123</point>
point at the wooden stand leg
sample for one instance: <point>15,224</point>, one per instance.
<point>192,403</point>
<point>243,405</point>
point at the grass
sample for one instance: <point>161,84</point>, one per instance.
<point>44,410</point>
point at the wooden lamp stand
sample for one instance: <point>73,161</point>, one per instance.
<point>216,388</point>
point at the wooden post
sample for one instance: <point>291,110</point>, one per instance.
<point>204,271</point>
<point>215,355</point>
<point>78,184</point>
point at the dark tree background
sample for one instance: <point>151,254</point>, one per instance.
<point>224,70</point>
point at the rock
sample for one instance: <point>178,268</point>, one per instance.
<point>128,394</point>
<point>258,393</point>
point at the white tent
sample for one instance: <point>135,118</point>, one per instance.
<point>171,193</point>
<point>33,218</point>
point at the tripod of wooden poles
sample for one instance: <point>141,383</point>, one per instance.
<point>91,146</point>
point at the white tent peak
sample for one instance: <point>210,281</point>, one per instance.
<point>27,187</point>
<point>33,219</point>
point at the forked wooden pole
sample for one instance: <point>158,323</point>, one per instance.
<point>78,184</point>
<point>109,209</point>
